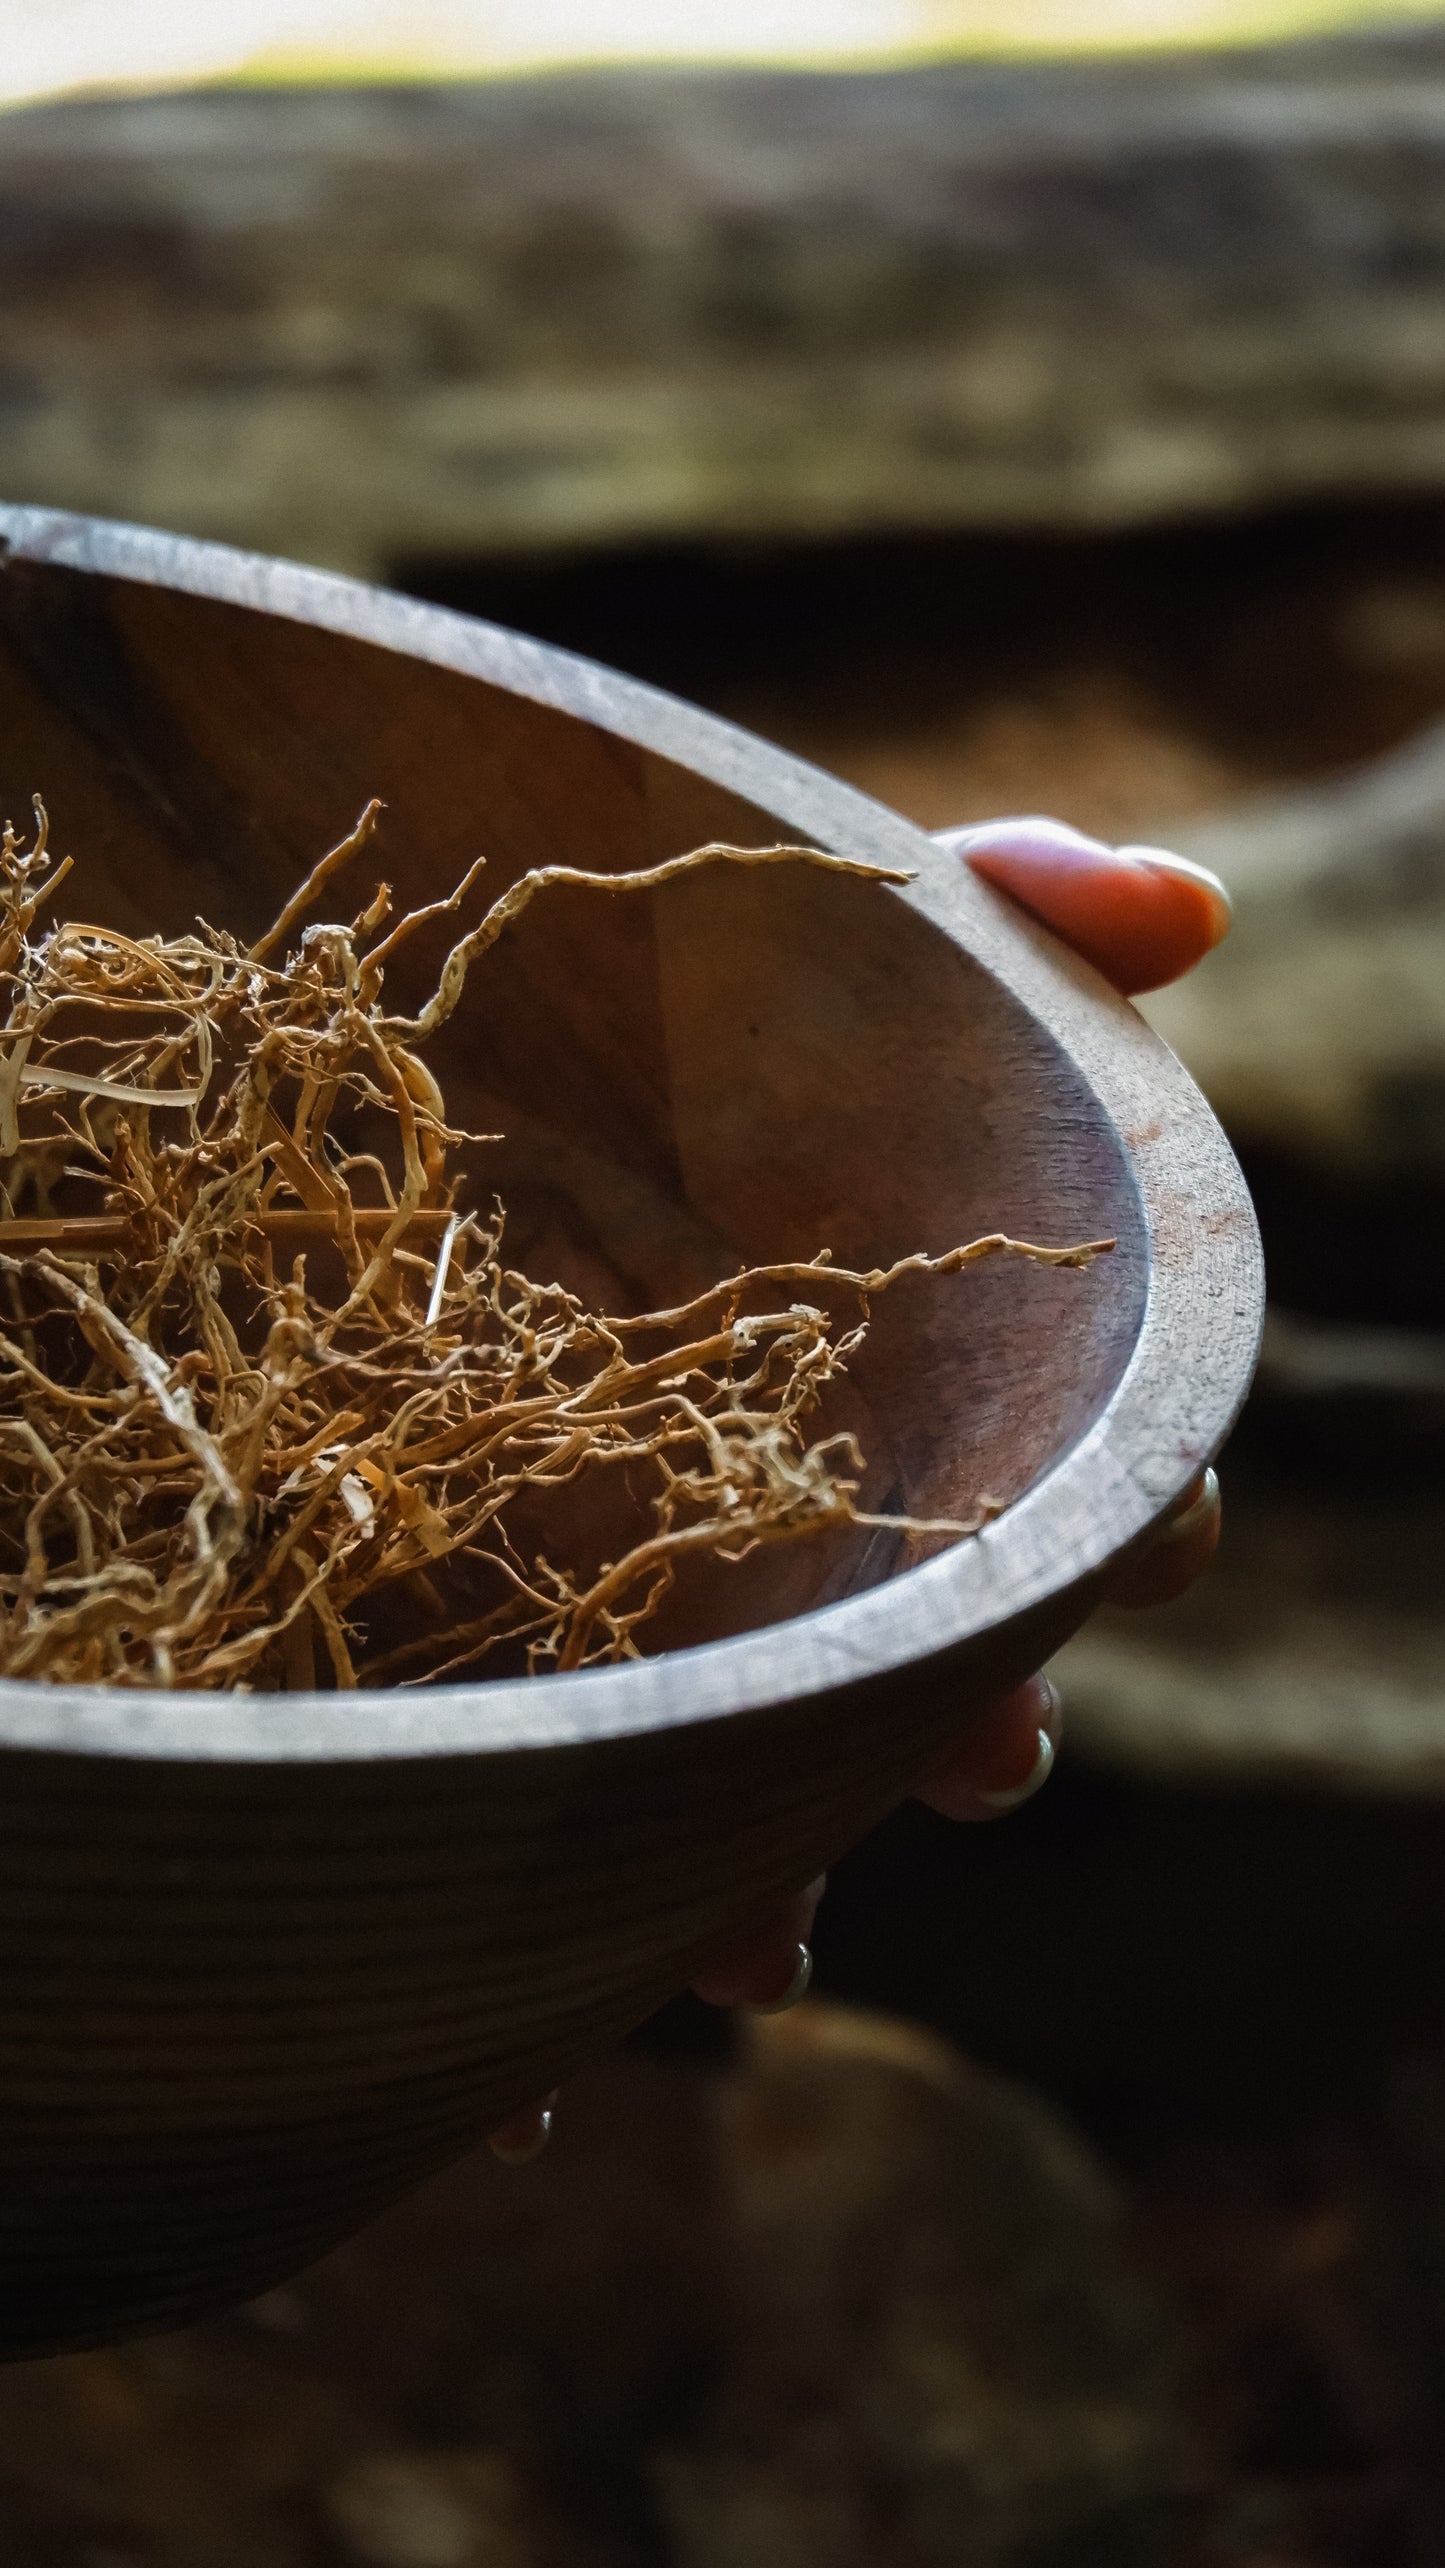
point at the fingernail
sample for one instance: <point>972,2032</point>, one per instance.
<point>796,1990</point>
<point>1161,860</point>
<point>1030,830</point>
<point>1033,1782</point>
<point>1180,1527</point>
<point>533,2131</point>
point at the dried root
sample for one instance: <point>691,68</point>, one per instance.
<point>274,1412</point>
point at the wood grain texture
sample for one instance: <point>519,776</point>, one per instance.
<point>263,1961</point>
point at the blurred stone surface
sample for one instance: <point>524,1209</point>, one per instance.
<point>372,324</point>
<point>1320,1024</point>
<point>938,2351</point>
<point>1310,1656</point>
<point>849,2300</point>
<point>448,2510</point>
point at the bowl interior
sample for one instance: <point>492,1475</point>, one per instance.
<point>745,1065</point>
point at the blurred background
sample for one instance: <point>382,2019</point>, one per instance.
<point>1013,405</point>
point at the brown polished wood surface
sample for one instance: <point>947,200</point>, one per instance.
<point>265,1960</point>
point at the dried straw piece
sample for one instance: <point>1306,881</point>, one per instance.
<point>219,1467</point>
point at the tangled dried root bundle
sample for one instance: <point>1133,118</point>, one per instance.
<point>274,1411</point>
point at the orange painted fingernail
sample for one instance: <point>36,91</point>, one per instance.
<point>1140,915</point>
<point>1215,903</point>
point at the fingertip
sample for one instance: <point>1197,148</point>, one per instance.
<point>1140,915</point>
<point>781,2001</point>
<point>1005,1758</point>
<point>1034,1781</point>
<point>769,1976</point>
<point>524,2135</point>
<point>758,1967</point>
<point>1211,902</point>
<point>1178,1554</point>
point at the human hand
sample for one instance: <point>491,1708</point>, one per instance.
<point>1143,918</point>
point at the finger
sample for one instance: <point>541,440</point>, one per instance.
<point>1140,915</point>
<point>769,1965</point>
<point>1178,1554</point>
<point>524,2135</point>
<point>1006,1758</point>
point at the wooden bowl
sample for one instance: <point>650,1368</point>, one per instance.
<point>267,1960</point>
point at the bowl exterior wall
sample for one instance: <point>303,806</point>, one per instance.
<point>273,1998</point>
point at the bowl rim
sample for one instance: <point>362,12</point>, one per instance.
<point>1175,1401</point>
